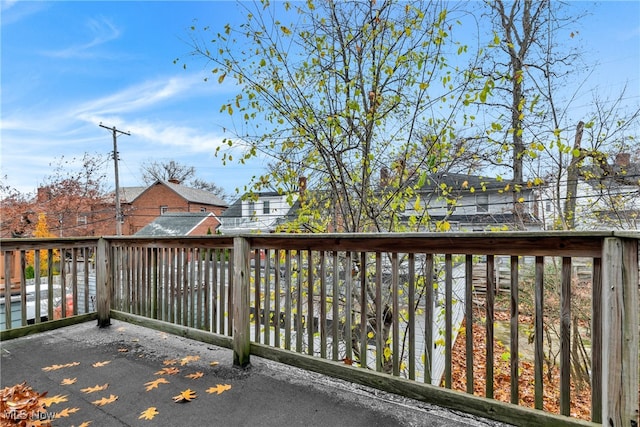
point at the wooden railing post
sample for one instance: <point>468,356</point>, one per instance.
<point>620,332</point>
<point>241,277</point>
<point>103,283</point>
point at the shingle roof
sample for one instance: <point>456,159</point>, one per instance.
<point>196,195</point>
<point>174,224</point>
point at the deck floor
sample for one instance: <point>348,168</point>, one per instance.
<point>83,364</point>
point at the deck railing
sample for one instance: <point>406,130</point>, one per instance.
<point>555,314</point>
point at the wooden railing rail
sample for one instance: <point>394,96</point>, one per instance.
<point>393,304</point>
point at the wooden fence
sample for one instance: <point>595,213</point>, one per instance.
<point>413,314</point>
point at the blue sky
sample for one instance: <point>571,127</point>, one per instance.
<point>66,66</point>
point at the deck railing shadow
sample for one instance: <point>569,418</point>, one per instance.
<point>384,310</point>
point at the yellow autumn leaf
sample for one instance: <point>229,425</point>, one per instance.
<point>219,388</point>
<point>195,375</point>
<point>101,364</point>
<point>154,384</point>
<point>66,412</point>
<point>148,413</point>
<point>85,424</point>
<point>105,400</point>
<point>56,367</point>
<point>214,363</point>
<point>48,401</point>
<point>168,371</point>
<point>69,381</point>
<point>169,362</point>
<point>94,389</point>
<point>185,396</point>
<point>188,359</point>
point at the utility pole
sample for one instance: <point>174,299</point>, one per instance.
<point>115,163</point>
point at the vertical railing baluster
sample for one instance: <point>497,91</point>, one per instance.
<point>363,310</point>
<point>298,316</point>
<point>448,318</point>
<point>310,311</point>
<point>429,307</point>
<point>514,347</point>
<point>322,321</point>
<point>468,314</point>
<point>395,304</point>
<point>287,300</point>
<point>335,306</point>
<point>412,316</point>
<point>379,311</point>
<point>276,301</point>
<point>268,322</point>
<point>489,325</point>
<point>256,299</point>
<point>539,332</point>
<point>596,341</point>
<point>348,307</point>
<point>565,338</point>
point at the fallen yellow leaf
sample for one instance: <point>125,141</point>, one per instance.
<point>56,367</point>
<point>94,389</point>
<point>168,371</point>
<point>66,412</point>
<point>185,396</point>
<point>69,381</point>
<point>219,388</point>
<point>148,414</point>
<point>188,359</point>
<point>48,401</point>
<point>105,400</point>
<point>195,375</point>
<point>154,384</point>
<point>101,364</point>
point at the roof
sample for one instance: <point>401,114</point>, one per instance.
<point>174,224</point>
<point>194,195</point>
<point>458,180</point>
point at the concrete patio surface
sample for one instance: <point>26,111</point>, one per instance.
<point>112,376</point>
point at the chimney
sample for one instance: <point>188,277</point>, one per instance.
<point>302,186</point>
<point>174,181</point>
<point>623,160</point>
<point>44,194</point>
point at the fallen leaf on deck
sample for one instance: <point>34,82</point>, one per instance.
<point>56,367</point>
<point>185,396</point>
<point>85,424</point>
<point>195,375</point>
<point>188,359</point>
<point>101,364</point>
<point>69,381</point>
<point>105,400</point>
<point>169,362</point>
<point>168,371</point>
<point>94,389</point>
<point>214,363</point>
<point>66,412</point>
<point>154,384</point>
<point>58,398</point>
<point>148,414</point>
<point>219,388</point>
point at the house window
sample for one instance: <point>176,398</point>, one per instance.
<point>164,209</point>
<point>265,207</point>
<point>82,220</point>
<point>252,208</point>
<point>203,209</point>
<point>548,206</point>
<point>482,202</point>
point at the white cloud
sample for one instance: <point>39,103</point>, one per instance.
<point>102,30</point>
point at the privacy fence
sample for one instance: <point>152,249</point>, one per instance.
<point>526,328</point>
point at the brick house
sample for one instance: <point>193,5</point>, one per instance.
<point>141,205</point>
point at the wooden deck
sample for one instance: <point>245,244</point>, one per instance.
<point>382,303</point>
